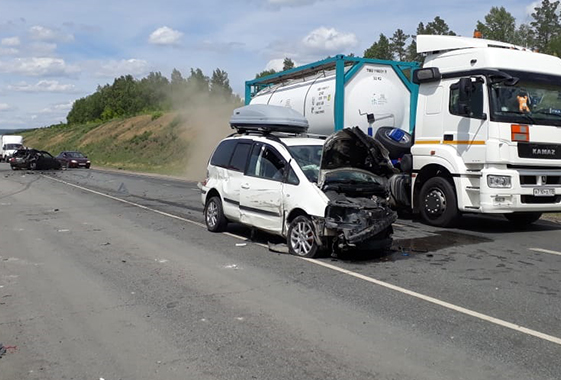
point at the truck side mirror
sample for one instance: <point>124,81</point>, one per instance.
<point>426,75</point>
<point>465,91</point>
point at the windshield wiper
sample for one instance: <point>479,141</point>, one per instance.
<point>530,118</point>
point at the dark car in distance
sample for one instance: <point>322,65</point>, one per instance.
<point>73,159</point>
<point>33,159</point>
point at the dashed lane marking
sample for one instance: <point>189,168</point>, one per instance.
<point>545,251</point>
<point>434,301</point>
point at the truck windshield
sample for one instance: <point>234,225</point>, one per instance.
<point>535,99</point>
<point>308,158</point>
<point>12,146</point>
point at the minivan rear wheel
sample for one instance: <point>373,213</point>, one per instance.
<point>214,215</point>
<point>301,238</point>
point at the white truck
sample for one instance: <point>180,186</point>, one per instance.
<point>477,129</point>
<point>8,145</point>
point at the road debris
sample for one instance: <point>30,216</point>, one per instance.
<point>279,248</point>
<point>241,244</point>
<point>2,350</point>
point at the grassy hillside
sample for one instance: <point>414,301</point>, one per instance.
<point>173,143</point>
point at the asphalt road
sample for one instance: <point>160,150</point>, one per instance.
<point>111,275</point>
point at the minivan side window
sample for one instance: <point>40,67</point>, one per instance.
<point>265,162</point>
<point>239,158</point>
<point>223,152</point>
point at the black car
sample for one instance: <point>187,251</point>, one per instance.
<point>73,159</point>
<point>33,159</point>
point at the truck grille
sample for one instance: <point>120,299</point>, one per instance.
<point>530,199</point>
<point>533,180</point>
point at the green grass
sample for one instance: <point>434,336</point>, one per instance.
<point>157,150</point>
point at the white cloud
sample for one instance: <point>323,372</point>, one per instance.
<point>10,41</point>
<point>38,67</point>
<point>60,108</point>
<point>135,67</point>
<point>42,33</point>
<point>43,86</point>
<point>8,51</point>
<point>5,107</point>
<point>278,64</point>
<point>329,40</point>
<point>165,36</point>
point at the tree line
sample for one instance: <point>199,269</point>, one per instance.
<point>128,96</point>
<point>542,33</point>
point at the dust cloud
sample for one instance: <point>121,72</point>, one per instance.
<point>206,122</point>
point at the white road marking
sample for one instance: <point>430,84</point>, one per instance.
<point>435,301</point>
<point>545,251</point>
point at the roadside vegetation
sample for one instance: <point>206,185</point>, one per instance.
<point>152,125</point>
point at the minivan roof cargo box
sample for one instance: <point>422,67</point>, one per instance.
<point>267,118</point>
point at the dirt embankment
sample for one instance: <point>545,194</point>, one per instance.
<point>177,143</point>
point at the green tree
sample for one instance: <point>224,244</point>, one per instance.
<point>438,27</point>
<point>545,25</point>
<point>412,54</point>
<point>499,25</point>
<point>398,41</point>
<point>264,73</point>
<point>197,82</point>
<point>524,36</point>
<point>220,85</point>
<point>380,49</point>
<point>287,64</point>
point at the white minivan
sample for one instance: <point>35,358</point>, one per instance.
<point>320,194</point>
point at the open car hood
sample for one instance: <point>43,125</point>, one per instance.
<point>352,149</point>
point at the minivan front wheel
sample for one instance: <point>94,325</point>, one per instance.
<point>214,215</point>
<point>301,238</point>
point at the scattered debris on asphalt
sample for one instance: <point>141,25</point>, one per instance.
<point>241,244</point>
<point>279,248</point>
<point>2,350</point>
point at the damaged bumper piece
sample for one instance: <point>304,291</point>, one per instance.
<point>359,221</point>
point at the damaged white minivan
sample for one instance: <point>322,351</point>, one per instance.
<point>322,195</point>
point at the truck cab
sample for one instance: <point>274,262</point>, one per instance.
<point>488,130</point>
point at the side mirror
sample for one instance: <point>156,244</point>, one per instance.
<point>426,75</point>
<point>465,91</point>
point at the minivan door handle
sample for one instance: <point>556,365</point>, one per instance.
<point>245,186</point>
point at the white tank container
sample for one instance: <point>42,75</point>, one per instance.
<point>373,89</point>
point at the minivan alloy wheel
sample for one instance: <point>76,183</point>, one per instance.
<point>214,215</point>
<point>301,237</point>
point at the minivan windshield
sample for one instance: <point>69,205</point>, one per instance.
<point>535,99</point>
<point>308,157</point>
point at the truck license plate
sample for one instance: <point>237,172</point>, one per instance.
<point>541,192</point>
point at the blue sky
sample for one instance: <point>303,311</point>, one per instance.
<point>54,52</point>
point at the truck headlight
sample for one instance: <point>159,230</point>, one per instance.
<point>74,161</point>
<point>499,181</point>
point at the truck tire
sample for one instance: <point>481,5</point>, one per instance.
<point>396,148</point>
<point>301,238</point>
<point>438,203</point>
<point>522,219</point>
<point>214,215</point>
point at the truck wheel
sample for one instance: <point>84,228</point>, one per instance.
<point>522,219</point>
<point>301,238</point>
<point>438,203</point>
<point>214,215</point>
<point>396,148</point>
